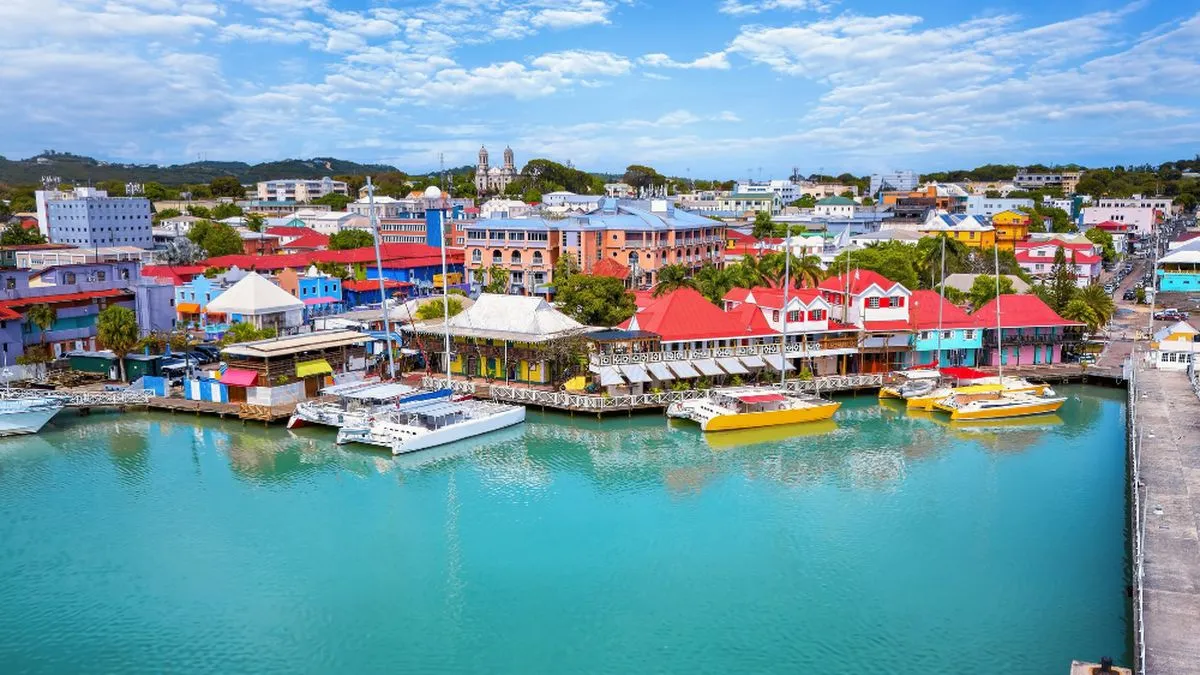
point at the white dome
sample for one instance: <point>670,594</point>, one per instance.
<point>432,192</point>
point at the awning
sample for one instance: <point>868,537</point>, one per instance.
<point>893,341</point>
<point>188,308</point>
<point>238,377</point>
<point>732,365</point>
<point>321,301</point>
<point>609,376</point>
<point>682,369</point>
<point>635,372</point>
<point>752,361</point>
<point>660,371</point>
<point>762,398</point>
<point>776,362</point>
<point>708,367</point>
<point>314,367</point>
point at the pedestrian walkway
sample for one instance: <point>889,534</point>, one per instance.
<point>1167,428</point>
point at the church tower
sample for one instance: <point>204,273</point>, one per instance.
<point>508,160</point>
<point>481,172</point>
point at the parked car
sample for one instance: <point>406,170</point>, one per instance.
<point>201,357</point>
<point>1129,295</point>
<point>212,350</point>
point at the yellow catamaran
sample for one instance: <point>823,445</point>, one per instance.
<point>727,409</point>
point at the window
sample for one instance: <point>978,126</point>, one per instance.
<point>947,334</point>
<point>515,257</point>
<point>539,236</point>
<point>969,334</point>
<point>101,275</point>
<point>816,315</point>
<point>793,315</point>
<point>476,256</point>
<point>873,303</point>
<point>775,315</point>
<point>925,335</point>
<point>497,257</point>
<point>10,283</point>
<point>537,257</point>
<point>69,278</point>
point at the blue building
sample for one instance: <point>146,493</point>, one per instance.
<point>359,292</point>
<point>320,292</point>
<point>1179,270</point>
<point>943,333</point>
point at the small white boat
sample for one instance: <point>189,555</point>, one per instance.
<point>28,414</point>
<point>430,423</point>
<point>351,404</point>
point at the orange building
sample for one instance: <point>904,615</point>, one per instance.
<point>947,197</point>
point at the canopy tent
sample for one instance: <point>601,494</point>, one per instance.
<point>732,365</point>
<point>238,377</point>
<point>254,295</point>
<point>314,367</point>
<point>708,367</point>
<point>682,369</point>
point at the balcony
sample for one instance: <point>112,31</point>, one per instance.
<point>989,339</point>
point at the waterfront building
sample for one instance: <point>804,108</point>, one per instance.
<point>1037,258</point>
<point>878,307</point>
<point>493,180</point>
<point>1033,334</point>
<point>1012,227</point>
<point>893,181</point>
<point>988,207</point>
<point>505,337</point>
<point>89,218</point>
<point>1179,270</point>
<point>320,292</point>
<point>300,190</point>
<point>1067,180</point>
<point>943,334</point>
<point>972,231</point>
<point>260,303</point>
<point>1141,218</point>
<point>358,292</point>
<point>1175,347</point>
<point>193,297</point>
<point>288,369</point>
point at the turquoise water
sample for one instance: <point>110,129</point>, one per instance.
<point>152,543</point>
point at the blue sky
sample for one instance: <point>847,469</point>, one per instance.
<point>707,88</point>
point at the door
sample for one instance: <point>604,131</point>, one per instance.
<point>312,385</point>
<point>1037,355</point>
<point>1003,357</point>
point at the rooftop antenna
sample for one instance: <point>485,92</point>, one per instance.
<point>51,183</point>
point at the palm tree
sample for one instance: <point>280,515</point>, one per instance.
<point>750,272</point>
<point>807,272</point>
<point>43,316</point>
<point>1099,300</point>
<point>117,330</point>
<point>672,278</point>
<point>714,282</point>
<point>1078,310</point>
<point>763,227</point>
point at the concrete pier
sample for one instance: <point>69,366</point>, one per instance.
<point>1166,434</point>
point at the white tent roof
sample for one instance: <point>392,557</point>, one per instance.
<point>254,295</point>
<point>513,317</point>
<point>1188,253</point>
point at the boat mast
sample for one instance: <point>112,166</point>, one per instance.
<point>383,299</point>
<point>941,301</point>
<point>445,294</point>
<point>999,330</point>
<point>787,281</point>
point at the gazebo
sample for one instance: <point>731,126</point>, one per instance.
<point>260,303</point>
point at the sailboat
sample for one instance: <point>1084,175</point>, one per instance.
<point>430,422</point>
<point>1002,404</point>
<point>751,407</point>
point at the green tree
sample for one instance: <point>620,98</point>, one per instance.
<point>641,177</point>
<point>166,214</point>
<point>749,272</point>
<point>15,234</point>
<point>215,239</point>
<point>223,211</point>
<point>928,262</point>
<point>984,289</point>
<point>714,282</point>
<point>498,278</point>
<point>1104,240</point>
<point>1139,295</point>
<point>434,308</point>
<point>255,222</point>
<point>333,200</point>
<point>867,201</point>
<point>350,239</point>
<point>954,295</point>
<point>893,259</point>
<point>227,186</point>
<point>564,268</point>
<point>805,202</point>
<point>5,211</point>
<point>763,226</point>
<point>1099,300</point>
<point>43,316</point>
<point>1078,310</point>
<point>593,300</point>
<point>531,196</point>
<point>245,332</point>
<point>117,331</point>
<point>1061,288</point>
<point>672,278</point>
<point>199,211</point>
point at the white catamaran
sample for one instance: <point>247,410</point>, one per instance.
<point>27,414</point>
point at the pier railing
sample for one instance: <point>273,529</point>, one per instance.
<point>565,400</point>
<point>1137,516</point>
<point>457,386</point>
<point>836,383</point>
<point>85,399</point>
<point>813,347</point>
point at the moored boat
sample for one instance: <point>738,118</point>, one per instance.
<point>998,405</point>
<point>28,414</point>
<point>430,423</point>
<point>726,409</point>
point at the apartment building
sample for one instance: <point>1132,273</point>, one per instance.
<point>300,189</point>
<point>1067,180</point>
<point>979,205</point>
<point>893,181</point>
<point>1141,218</point>
<point>89,218</point>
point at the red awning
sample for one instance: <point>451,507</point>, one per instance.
<point>963,373</point>
<point>238,377</point>
<point>762,398</point>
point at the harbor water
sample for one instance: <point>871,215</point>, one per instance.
<point>879,542</point>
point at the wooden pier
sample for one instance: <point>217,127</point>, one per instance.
<point>243,411</point>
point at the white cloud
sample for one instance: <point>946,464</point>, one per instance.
<point>710,61</point>
<point>582,62</point>
<point>738,7</point>
<point>84,19</point>
<point>578,13</point>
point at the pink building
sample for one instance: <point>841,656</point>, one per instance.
<point>1037,258</point>
<point>1033,334</point>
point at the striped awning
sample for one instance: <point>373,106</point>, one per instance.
<point>732,365</point>
<point>635,372</point>
<point>660,371</point>
<point>708,367</point>
<point>682,369</point>
<point>776,361</point>
<point>609,376</point>
<point>314,367</point>
<point>752,361</point>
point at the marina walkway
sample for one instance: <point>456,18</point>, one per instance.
<point>1166,427</point>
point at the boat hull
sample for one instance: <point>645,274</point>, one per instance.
<point>15,421</point>
<point>1042,407</point>
<point>889,392</point>
<point>770,418</point>
<point>460,431</point>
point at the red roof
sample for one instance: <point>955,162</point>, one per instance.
<point>1055,243</point>
<point>643,299</point>
<point>7,314</point>
<point>610,268</point>
<point>736,294</point>
<point>238,377</point>
<point>65,297</point>
<point>358,285</point>
<point>924,312</point>
<point>1114,225</point>
<point>686,315</point>
<point>310,240</point>
<point>285,231</point>
<point>1019,311</point>
<point>885,326</point>
<point>1079,257</point>
<point>177,274</point>
<point>860,280</point>
<point>410,255</point>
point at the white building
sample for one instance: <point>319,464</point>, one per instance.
<point>1163,204</point>
<point>386,207</point>
<point>618,190</point>
<point>299,189</point>
<point>893,181</point>
<point>332,222</point>
<point>179,225</point>
<point>1175,347</point>
<point>835,207</point>
<point>1067,180</point>
<point>787,190</point>
<point>89,218</point>
<point>497,207</point>
<point>257,301</point>
<point>978,205</point>
<point>1142,218</point>
<point>867,238</point>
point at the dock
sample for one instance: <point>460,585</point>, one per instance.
<point>1164,423</point>
<point>243,411</point>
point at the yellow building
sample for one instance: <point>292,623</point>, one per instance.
<point>972,231</point>
<point>1011,227</point>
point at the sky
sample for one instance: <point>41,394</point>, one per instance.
<point>697,88</point>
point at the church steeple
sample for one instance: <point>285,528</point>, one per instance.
<point>483,156</point>
<point>508,157</point>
